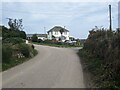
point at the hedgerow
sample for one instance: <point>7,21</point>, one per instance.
<point>101,54</point>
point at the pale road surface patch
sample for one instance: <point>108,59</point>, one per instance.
<point>52,68</point>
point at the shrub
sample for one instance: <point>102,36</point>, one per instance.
<point>24,49</point>
<point>48,42</point>
<point>6,53</point>
<point>33,46</point>
<point>104,47</point>
<point>27,50</point>
<point>13,40</point>
<point>9,33</point>
<point>39,40</point>
<point>22,34</point>
<point>34,38</point>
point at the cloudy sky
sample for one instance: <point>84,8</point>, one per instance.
<point>78,17</point>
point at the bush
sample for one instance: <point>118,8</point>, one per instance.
<point>39,40</point>
<point>6,53</point>
<point>24,49</point>
<point>13,40</point>
<point>22,34</point>
<point>48,41</point>
<point>27,50</point>
<point>9,33</point>
<point>103,49</point>
<point>34,38</point>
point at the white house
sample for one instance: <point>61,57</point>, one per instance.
<point>58,33</point>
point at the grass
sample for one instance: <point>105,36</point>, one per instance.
<point>57,45</point>
<point>16,61</point>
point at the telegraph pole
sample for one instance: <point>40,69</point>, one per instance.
<point>64,27</point>
<point>44,30</point>
<point>110,18</point>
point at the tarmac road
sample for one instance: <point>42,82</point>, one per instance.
<point>52,68</point>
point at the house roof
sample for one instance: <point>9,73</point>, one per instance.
<point>41,35</point>
<point>29,35</point>
<point>38,35</point>
<point>58,28</point>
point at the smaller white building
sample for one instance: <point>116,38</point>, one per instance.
<point>40,36</point>
<point>58,33</point>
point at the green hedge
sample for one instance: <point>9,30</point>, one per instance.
<point>6,53</point>
<point>13,40</point>
<point>9,60</point>
<point>24,49</point>
<point>101,53</point>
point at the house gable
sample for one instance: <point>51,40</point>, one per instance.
<point>57,29</point>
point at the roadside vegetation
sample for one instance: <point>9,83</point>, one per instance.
<point>0,49</point>
<point>56,43</point>
<point>14,48</point>
<point>101,56</point>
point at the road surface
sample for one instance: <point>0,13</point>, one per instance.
<point>52,68</point>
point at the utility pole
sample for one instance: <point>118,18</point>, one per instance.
<point>110,18</point>
<point>64,27</point>
<point>44,30</point>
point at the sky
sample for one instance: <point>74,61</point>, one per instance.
<point>119,14</point>
<point>78,17</point>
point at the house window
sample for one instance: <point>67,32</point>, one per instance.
<point>56,33</point>
<point>65,33</point>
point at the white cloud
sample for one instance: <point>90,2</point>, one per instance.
<point>61,0</point>
<point>76,16</point>
<point>38,16</point>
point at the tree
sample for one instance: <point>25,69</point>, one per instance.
<point>15,24</point>
<point>34,38</point>
<point>15,30</point>
<point>23,34</point>
<point>8,33</point>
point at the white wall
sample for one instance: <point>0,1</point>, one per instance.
<point>42,38</point>
<point>58,34</point>
<point>49,35</point>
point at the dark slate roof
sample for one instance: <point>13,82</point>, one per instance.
<point>42,35</point>
<point>58,28</point>
<point>29,35</point>
<point>38,35</point>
